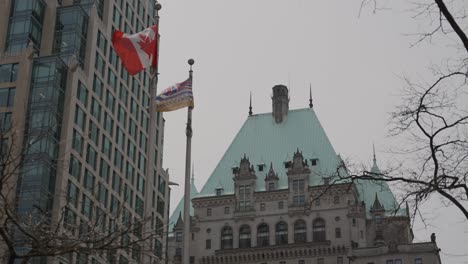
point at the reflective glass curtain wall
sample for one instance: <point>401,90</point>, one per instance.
<point>70,32</point>
<point>44,118</point>
<point>25,24</point>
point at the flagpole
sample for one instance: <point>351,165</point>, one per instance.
<point>188,153</point>
<point>153,123</point>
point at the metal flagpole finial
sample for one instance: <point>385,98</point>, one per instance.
<point>250,106</point>
<point>191,62</point>
<point>311,105</point>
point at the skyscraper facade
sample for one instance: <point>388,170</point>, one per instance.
<point>88,145</point>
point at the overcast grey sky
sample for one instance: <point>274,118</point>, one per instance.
<point>354,65</point>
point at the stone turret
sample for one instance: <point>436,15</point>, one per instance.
<point>280,101</point>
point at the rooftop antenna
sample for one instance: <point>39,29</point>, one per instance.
<point>250,107</point>
<point>311,105</point>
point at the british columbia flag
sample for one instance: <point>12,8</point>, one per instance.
<point>175,97</point>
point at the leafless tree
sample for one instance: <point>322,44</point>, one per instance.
<point>36,234</point>
<point>432,118</point>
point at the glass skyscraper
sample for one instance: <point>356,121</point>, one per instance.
<point>80,123</point>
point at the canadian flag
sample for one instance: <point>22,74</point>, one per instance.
<point>138,51</point>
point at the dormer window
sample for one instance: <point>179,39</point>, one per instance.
<point>261,167</point>
<point>271,186</point>
<point>287,164</point>
<point>219,192</point>
<point>313,162</point>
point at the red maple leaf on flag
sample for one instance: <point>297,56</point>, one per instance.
<point>148,44</point>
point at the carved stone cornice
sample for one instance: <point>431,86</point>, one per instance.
<point>274,253</point>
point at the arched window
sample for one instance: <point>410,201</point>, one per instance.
<point>281,233</point>
<point>263,235</point>
<point>318,230</point>
<point>244,236</point>
<point>300,231</point>
<point>226,238</point>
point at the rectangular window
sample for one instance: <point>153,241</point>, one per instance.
<point>116,18</point>
<point>226,210</point>
<point>301,261</point>
<point>178,237</point>
<point>139,206</point>
<point>244,197</point>
<point>280,205</point>
<point>142,163</point>
<point>72,194</point>
<point>87,207</point>
<point>7,97</point>
<point>143,142</point>
<point>208,211</point>
<point>116,183</point>
<point>141,184</point>
<point>124,75</point>
<point>418,261</point>
<point>98,86</point>
<point>111,79</point>
<point>101,42</point>
<point>118,159</point>
<point>262,207</point>
<point>162,186</point>
<point>320,261</point>
<point>110,101</point>
<point>336,199</point>
<point>130,171</point>
<point>128,194</point>
<point>398,261</point>
<point>108,123</point>
<point>123,94</point>
<point>337,232</point>
<point>91,156</point>
<point>121,116</point>
<point>74,167</point>
<point>5,121</point>
<point>77,142</point>
<point>339,260</point>
<point>103,193</point>
<point>8,72</point>
<point>106,146</point>
<point>389,261</point>
<point>120,137</point>
<point>82,93</point>
<point>96,109</point>
<point>298,192</point>
<point>104,170</point>
<point>93,132</point>
<point>100,64</point>
<point>129,13</point>
<point>80,117</point>
<point>208,244</point>
<point>132,128</point>
<point>88,181</point>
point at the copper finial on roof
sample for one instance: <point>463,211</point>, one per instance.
<point>250,106</point>
<point>311,105</point>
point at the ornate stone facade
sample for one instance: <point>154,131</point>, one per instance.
<point>295,214</point>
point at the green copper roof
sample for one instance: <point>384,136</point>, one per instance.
<point>180,206</point>
<point>264,141</point>
<point>368,189</point>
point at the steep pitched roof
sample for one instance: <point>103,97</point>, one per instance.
<point>180,206</point>
<point>264,141</point>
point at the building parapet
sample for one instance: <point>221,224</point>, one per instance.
<point>426,247</point>
<point>256,254</point>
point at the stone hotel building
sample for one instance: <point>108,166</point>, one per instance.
<point>275,198</point>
